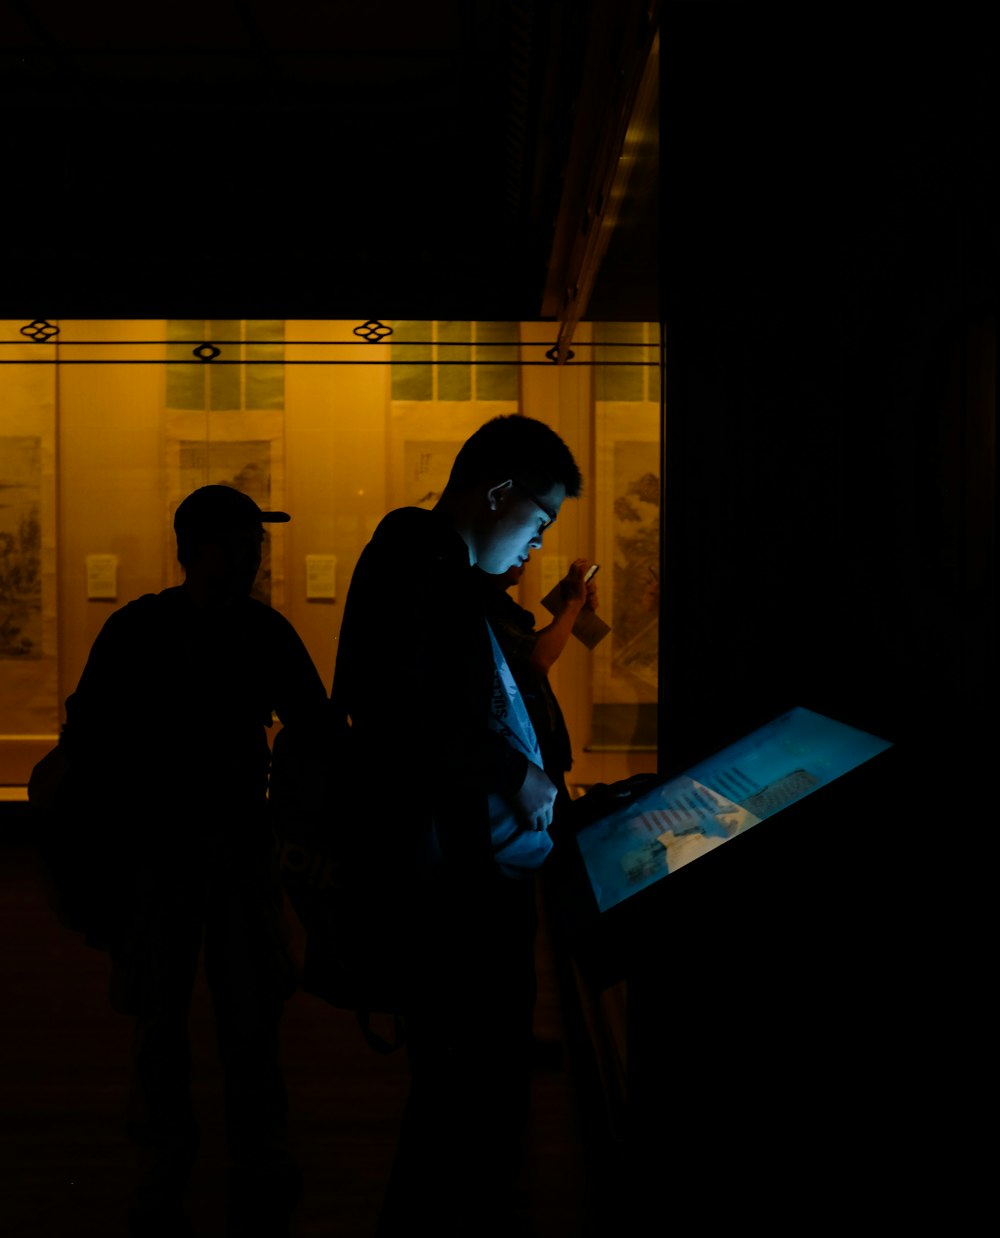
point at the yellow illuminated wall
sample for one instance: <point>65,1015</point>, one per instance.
<point>106,425</point>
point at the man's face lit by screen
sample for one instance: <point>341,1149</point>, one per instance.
<point>517,528</point>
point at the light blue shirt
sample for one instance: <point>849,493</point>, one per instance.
<point>518,851</point>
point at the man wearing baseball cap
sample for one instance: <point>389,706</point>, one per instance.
<point>166,736</point>
<point>230,521</point>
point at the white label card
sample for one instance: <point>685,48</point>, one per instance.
<point>321,576</point>
<point>102,577</point>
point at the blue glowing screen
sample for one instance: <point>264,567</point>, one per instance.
<point>691,814</point>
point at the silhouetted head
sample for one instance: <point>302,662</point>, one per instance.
<point>506,487</point>
<point>219,534</point>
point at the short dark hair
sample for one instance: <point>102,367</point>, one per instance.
<point>517,447</point>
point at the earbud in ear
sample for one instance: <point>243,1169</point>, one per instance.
<point>497,493</point>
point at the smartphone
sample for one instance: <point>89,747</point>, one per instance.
<point>592,571</point>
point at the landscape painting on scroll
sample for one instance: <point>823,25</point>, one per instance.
<point>20,547</point>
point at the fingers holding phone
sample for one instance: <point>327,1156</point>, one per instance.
<point>571,588</point>
<point>591,585</point>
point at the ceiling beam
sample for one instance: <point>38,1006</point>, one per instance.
<point>617,109</point>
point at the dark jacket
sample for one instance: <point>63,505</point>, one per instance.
<point>175,700</point>
<point>415,673</point>
<point>166,748</point>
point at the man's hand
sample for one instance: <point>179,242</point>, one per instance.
<point>577,593</point>
<point>591,587</point>
<point>571,596</point>
<point>534,803</point>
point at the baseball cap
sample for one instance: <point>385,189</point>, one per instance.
<point>212,508</point>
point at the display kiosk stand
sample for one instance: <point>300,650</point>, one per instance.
<point>763,1065</point>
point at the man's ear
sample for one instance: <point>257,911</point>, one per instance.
<point>496,495</point>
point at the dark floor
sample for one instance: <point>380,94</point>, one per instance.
<point>67,1168</point>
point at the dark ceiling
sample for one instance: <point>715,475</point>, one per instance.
<point>288,158</point>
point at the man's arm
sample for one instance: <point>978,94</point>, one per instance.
<point>109,679</point>
<point>300,694</point>
<point>575,593</point>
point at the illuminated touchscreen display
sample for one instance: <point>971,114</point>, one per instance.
<point>687,816</point>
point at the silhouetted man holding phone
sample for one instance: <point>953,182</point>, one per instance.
<point>456,807</point>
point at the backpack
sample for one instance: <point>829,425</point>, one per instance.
<point>84,868</point>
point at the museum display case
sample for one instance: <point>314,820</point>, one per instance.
<point>107,424</point>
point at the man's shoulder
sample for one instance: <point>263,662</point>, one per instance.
<point>265,616</point>
<point>146,607</point>
<point>425,533</point>
<point>414,554</point>
<point>173,604</point>
<point>140,621</point>
<point>409,540</point>
<point>404,524</point>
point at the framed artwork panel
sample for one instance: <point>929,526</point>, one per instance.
<point>29,673</point>
<point>626,664</point>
